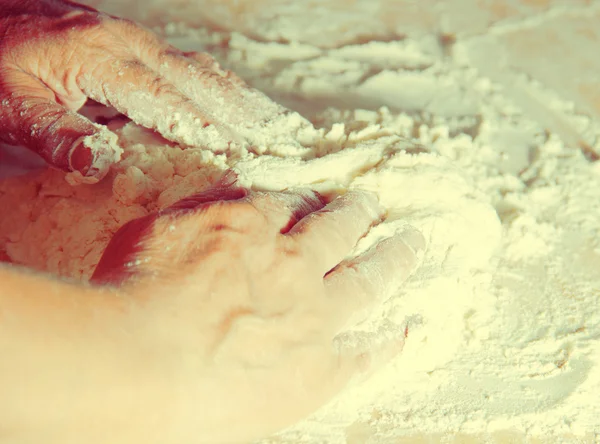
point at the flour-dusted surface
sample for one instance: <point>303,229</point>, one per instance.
<point>495,167</point>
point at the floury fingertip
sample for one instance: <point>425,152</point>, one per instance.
<point>371,200</point>
<point>91,157</point>
<point>414,239</point>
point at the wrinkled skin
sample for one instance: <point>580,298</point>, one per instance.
<point>253,288</point>
<point>55,54</point>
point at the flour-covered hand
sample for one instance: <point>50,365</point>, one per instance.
<point>55,54</point>
<point>244,293</point>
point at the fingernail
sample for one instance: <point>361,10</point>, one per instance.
<point>227,180</point>
<point>81,159</point>
<point>82,165</point>
<point>91,156</point>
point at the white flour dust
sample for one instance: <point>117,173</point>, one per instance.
<point>504,325</point>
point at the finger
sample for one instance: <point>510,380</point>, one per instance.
<point>150,100</point>
<point>64,139</point>
<point>284,210</point>
<point>120,260</point>
<point>357,284</point>
<point>180,67</point>
<point>330,234</point>
<point>125,245</point>
<point>201,79</point>
<point>238,106</point>
<point>115,264</point>
<point>357,356</point>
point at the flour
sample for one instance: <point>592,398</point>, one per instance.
<point>502,314</point>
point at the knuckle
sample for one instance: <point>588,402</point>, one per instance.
<point>221,240</point>
<point>159,87</point>
<point>291,249</point>
<point>207,72</point>
<point>131,64</point>
<point>163,52</point>
<point>140,39</point>
<point>194,232</point>
<point>154,84</point>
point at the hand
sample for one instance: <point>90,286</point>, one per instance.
<point>55,54</point>
<point>246,292</point>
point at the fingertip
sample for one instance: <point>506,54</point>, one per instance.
<point>414,239</point>
<point>361,354</point>
<point>84,168</point>
<point>91,157</point>
<point>370,201</point>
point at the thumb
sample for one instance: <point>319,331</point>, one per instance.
<point>30,116</point>
<point>118,260</point>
